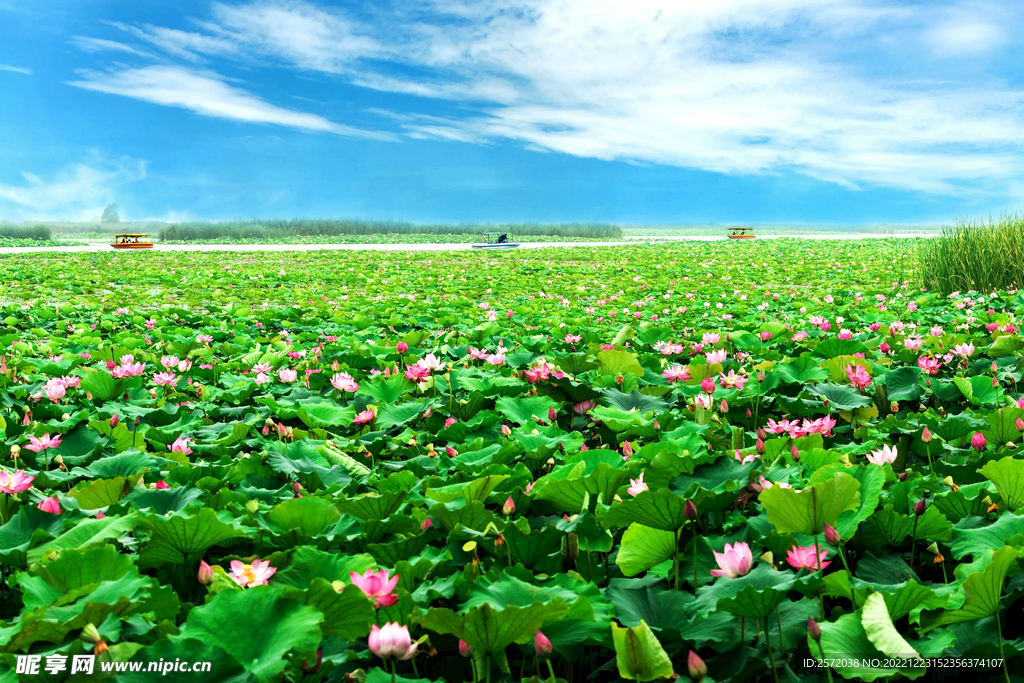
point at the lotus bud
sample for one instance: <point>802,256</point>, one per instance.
<point>760,433</point>
<point>724,407</point>
<point>627,450</point>
<point>297,487</point>
<point>1019,424</point>
<point>464,649</point>
<point>506,431</point>
<point>136,422</point>
<point>707,385</point>
<point>657,428</point>
<point>813,630</point>
<point>919,508</point>
<point>427,523</point>
<point>114,420</point>
<point>902,476</point>
<point>401,347</point>
<point>552,414</point>
<point>832,536</point>
<point>252,506</point>
<point>978,442</point>
<point>265,430</point>
<point>690,511</point>
<point>760,375</point>
<point>1011,445</point>
<point>794,453</point>
<point>205,573</point>
<point>926,435</point>
<point>509,507</point>
<point>450,451</point>
<point>759,447</point>
<point>542,646</point>
<point>696,666</point>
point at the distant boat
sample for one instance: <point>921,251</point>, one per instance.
<point>496,240</point>
<point>131,241</point>
<point>741,233</point>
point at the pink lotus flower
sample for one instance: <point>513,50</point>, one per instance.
<point>51,505</point>
<point>41,444</point>
<point>806,558</point>
<point>584,407</point>
<point>716,356</point>
<point>165,379</point>
<point>287,375</point>
<point>364,417</point>
<point>417,372</point>
<point>495,359</point>
<point>637,486</point>
<point>858,376</point>
<point>929,364</point>
<point>964,350</point>
<point>180,445</point>
<point>845,334</point>
<point>377,586</point>
<point>710,338</point>
<point>538,372</point>
<point>343,381</point>
<point>886,454</point>
<point>204,338</point>
<point>169,362</point>
<point>676,373</point>
<point>262,367</point>
<point>15,483</point>
<point>912,343</point>
<point>55,390</point>
<point>256,574</point>
<point>573,339</point>
<point>261,378</point>
<point>799,336</point>
<point>161,485</point>
<point>392,642</point>
<point>476,354</point>
<point>449,422</point>
<point>734,562</point>
<point>401,347</point>
<point>732,380</point>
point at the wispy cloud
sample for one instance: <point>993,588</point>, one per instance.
<point>15,69</point>
<point>207,94</point>
<point>79,190</point>
<point>87,44</point>
<point>731,86</point>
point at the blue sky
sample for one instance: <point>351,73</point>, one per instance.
<point>634,111</point>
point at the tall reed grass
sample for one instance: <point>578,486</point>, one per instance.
<point>971,255</point>
<point>257,229</point>
<point>24,232</point>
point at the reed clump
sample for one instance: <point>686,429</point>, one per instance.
<point>973,255</point>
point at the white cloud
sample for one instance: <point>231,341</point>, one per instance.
<point>730,86</point>
<point>78,190</point>
<point>87,44</point>
<point>15,69</point>
<point>207,94</point>
<point>965,36</point>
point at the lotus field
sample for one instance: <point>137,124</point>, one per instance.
<point>707,460</point>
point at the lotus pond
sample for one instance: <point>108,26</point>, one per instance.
<point>709,460</point>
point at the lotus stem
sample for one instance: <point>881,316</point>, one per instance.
<point>913,542</point>
<point>771,657</point>
<point>999,633</point>
<point>551,670</point>
<point>853,592</point>
<point>817,555</point>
